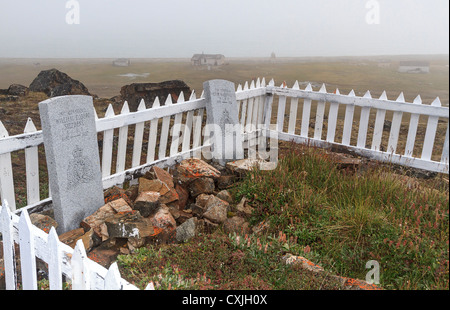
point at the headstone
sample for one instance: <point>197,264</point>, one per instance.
<point>71,149</point>
<point>223,121</point>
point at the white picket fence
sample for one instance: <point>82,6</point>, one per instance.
<point>79,270</point>
<point>286,126</point>
<point>180,136</point>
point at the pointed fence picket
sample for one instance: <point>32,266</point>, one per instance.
<point>108,141</point>
<point>395,128</point>
<point>379,126</point>
<point>320,116</point>
<point>138,138</point>
<point>348,121</point>
<point>151,149</point>
<point>32,167</point>
<point>165,131</point>
<point>122,143</point>
<point>332,119</point>
<point>306,113</point>
<point>9,255</point>
<point>6,173</point>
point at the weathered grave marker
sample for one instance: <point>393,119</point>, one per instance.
<point>223,121</point>
<point>71,149</point>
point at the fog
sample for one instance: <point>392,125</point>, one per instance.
<point>235,28</point>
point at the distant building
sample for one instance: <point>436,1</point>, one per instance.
<point>414,67</point>
<point>384,63</point>
<point>208,60</point>
<point>121,62</point>
<point>273,57</point>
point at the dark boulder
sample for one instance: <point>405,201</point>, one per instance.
<point>56,83</point>
<point>17,90</point>
<point>133,93</point>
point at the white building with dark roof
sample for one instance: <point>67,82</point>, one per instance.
<point>208,60</point>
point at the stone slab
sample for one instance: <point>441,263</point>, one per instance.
<point>223,117</point>
<point>71,149</point>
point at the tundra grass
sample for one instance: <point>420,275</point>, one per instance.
<point>347,219</point>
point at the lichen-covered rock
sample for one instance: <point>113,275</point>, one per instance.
<point>201,186</point>
<point>192,169</point>
<point>128,225</point>
<point>187,230</point>
<point>216,210</point>
<point>147,203</point>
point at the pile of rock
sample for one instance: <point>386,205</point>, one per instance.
<point>162,208</point>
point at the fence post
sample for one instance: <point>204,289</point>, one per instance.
<point>332,119</point>
<point>138,138</point>
<point>187,133</point>
<point>9,254</point>
<point>306,113</point>
<point>176,129</point>
<point>412,131</point>
<point>32,167</point>
<point>80,270</point>
<point>113,279</point>
<point>27,252</point>
<point>444,157</point>
<point>108,136</point>
<point>430,133</point>
<point>165,131</point>
<point>197,132</point>
<point>395,127</point>
<point>122,143</point>
<point>364,124</point>
<point>320,115</point>
<point>54,265</point>
<point>379,125</point>
<point>6,175</point>
<point>348,121</point>
<point>151,147</point>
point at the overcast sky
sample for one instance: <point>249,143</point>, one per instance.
<point>235,28</point>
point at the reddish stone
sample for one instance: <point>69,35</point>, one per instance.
<point>147,203</point>
<point>163,176</point>
<point>43,222</point>
<point>103,255</point>
<point>183,196</point>
<point>201,186</point>
<point>71,237</point>
<point>169,196</point>
<point>96,221</point>
<point>192,169</point>
<point>115,193</point>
